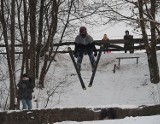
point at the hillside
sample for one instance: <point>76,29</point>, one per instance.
<point>129,86</point>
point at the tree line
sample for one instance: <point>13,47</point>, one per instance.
<point>46,22</point>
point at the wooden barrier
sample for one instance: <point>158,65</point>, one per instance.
<point>115,45</point>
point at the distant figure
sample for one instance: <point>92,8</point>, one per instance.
<point>128,42</point>
<point>84,45</point>
<point>25,88</point>
<point>105,40</point>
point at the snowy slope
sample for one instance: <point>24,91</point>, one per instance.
<point>128,120</point>
<point>127,88</point>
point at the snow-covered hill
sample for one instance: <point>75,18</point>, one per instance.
<point>128,87</point>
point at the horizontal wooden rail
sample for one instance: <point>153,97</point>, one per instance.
<point>117,48</point>
<point>115,45</point>
<point>97,42</point>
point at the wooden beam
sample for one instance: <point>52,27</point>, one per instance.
<point>97,42</point>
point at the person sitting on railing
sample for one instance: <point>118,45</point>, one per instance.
<point>84,45</point>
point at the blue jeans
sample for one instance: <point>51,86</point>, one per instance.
<point>26,103</point>
<point>83,51</point>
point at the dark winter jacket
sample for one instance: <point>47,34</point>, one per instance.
<point>25,89</point>
<point>128,39</point>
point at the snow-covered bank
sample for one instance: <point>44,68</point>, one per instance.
<point>127,120</point>
<point>129,86</point>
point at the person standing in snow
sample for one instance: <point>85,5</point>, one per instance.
<point>105,40</point>
<point>25,88</point>
<point>84,45</point>
<point>128,42</point>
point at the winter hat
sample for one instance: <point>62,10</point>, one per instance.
<point>83,30</point>
<point>127,32</point>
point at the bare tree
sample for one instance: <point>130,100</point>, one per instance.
<point>37,25</point>
<point>23,9</point>
<point>33,30</point>
<point>48,45</point>
<point>40,33</point>
<point>141,14</point>
<point>149,13</point>
<point>10,57</point>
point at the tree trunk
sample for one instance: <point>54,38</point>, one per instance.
<point>32,5</point>
<point>39,44</point>
<point>49,45</point>
<point>150,47</point>
<point>153,63</point>
<point>10,66</point>
<point>12,55</point>
<point>24,38</point>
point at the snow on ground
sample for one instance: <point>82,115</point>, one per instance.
<point>128,87</point>
<point>127,120</point>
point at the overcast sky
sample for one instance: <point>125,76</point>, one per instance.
<point>114,32</point>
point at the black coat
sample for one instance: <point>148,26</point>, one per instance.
<point>25,89</point>
<point>128,40</point>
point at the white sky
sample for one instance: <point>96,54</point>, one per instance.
<point>114,32</point>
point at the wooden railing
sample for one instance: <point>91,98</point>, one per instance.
<point>115,45</point>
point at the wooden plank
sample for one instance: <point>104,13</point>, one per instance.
<point>115,45</point>
<point>97,42</point>
<point>127,57</point>
<point>119,59</point>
